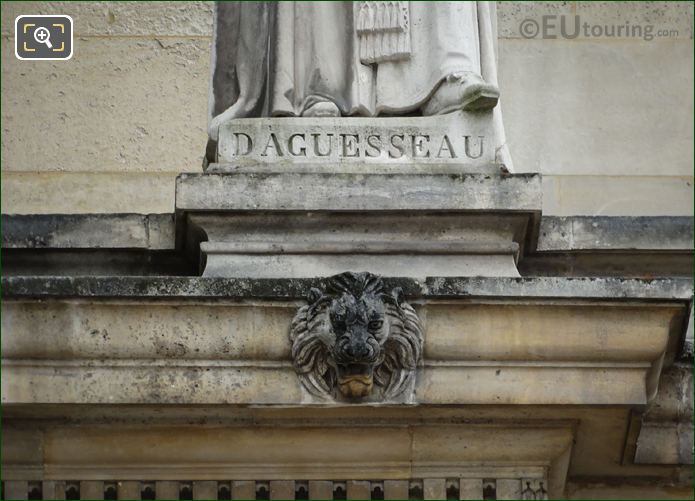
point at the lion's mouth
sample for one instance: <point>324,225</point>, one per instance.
<point>355,380</point>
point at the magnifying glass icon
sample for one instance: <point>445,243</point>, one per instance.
<point>42,35</point>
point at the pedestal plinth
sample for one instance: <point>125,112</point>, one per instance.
<point>292,225</point>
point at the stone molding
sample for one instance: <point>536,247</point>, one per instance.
<point>677,289</point>
<point>556,234</point>
<point>308,224</point>
<point>88,231</point>
<point>216,350</point>
<point>594,246</point>
<point>616,233</point>
<point>536,451</point>
<point>358,192</point>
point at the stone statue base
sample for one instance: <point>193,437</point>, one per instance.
<point>396,196</point>
<point>295,225</point>
<point>457,142</point>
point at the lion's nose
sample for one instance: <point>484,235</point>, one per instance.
<point>356,348</point>
<point>359,351</point>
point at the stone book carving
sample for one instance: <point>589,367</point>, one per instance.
<point>325,60</point>
<point>357,341</point>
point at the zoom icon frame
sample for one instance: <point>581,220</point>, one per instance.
<point>43,37</point>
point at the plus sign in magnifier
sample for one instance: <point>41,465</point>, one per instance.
<point>42,35</point>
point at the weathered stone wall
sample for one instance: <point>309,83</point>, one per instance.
<point>607,121</point>
<point>108,130</point>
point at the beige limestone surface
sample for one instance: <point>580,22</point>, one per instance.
<point>539,450</point>
<point>598,450</point>
<point>223,331</point>
<point>238,353</point>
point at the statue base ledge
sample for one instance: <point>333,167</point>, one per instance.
<point>297,225</point>
<point>339,192</point>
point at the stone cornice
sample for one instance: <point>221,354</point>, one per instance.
<point>666,289</point>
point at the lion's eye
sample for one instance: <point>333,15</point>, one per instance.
<point>375,325</point>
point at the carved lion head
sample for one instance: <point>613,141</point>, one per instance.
<point>356,337</point>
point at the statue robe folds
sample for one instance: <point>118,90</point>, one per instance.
<point>278,59</point>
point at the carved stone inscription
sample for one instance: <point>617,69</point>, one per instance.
<point>357,340</point>
<point>411,139</point>
<point>341,145</point>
